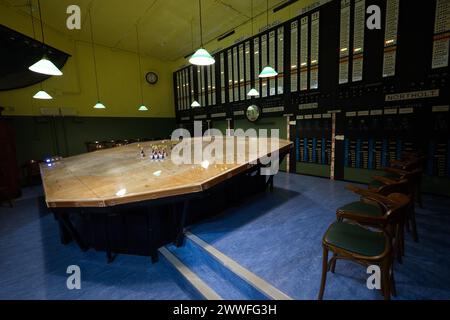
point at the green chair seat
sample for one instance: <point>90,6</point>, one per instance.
<point>355,239</point>
<point>374,184</point>
<point>362,208</point>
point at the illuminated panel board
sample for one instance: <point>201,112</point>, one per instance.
<point>264,62</point>
<point>213,85</point>
<point>304,32</point>
<point>241,73</point>
<point>344,42</point>
<point>222,79</point>
<point>187,88</point>
<point>294,56</point>
<point>441,42</point>
<point>280,66</point>
<point>183,88</point>
<point>208,86</point>
<point>203,86</point>
<point>178,80</point>
<point>235,74</point>
<point>192,97</point>
<point>359,26</point>
<point>272,63</point>
<point>248,82</point>
<point>390,38</point>
<point>314,73</point>
<point>257,65</point>
<point>230,75</point>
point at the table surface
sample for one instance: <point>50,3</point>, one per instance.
<point>121,175</point>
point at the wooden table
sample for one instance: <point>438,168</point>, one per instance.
<point>115,180</point>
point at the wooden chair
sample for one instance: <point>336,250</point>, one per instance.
<point>413,178</point>
<point>363,246</point>
<point>373,210</point>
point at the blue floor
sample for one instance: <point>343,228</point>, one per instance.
<point>278,236</point>
<point>275,235</point>
<point>33,264</point>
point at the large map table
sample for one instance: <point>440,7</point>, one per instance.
<point>94,195</point>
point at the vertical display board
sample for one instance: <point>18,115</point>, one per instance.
<point>264,63</point>
<point>441,43</point>
<point>294,56</point>
<point>235,74</point>
<point>222,79</point>
<point>314,73</point>
<point>257,63</point>
<point>230,76</point>
<point>272,62</point>
<point>344,45</point>
<point>209,86</point>
<point>280,58</point>
<point>241,73</point>
<point>390,38</point>
<point>304,49</point>
<point>248,80</point>
<point>359,26</point>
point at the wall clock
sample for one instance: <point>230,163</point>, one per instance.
<point>151,77</point>
<point>253,113</point>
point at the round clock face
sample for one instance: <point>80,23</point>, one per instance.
<point>253,112</point>
<point>151,77</point>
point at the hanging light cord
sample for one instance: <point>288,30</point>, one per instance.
<point>140,64</point>
<point>253,31</point>
<point>93,54</point>
<point>42,25</point>
<point>201,23</point>
<point>267,14</point>
<point>34,29</point>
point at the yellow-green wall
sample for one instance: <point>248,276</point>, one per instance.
<point>118,78</point>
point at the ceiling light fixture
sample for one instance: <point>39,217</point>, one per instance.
<point>195,104</point>
<point>142,107</point>
<point>253,92</point>
<point>268,71</point>
<point>201,57</point>
<point>98,105</point>
<point>41,94</point>
<point>44,66</point>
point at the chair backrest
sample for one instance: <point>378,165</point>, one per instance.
<point>401,186</point>
<point>399,206</point>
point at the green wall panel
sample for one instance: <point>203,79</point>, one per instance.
<point>38,137</point>
<point>313,169</point>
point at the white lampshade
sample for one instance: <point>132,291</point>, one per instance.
<point>202,58</point>
<point>268,72</point>
<point>143,108</point>
<point>99,105</point>
<point>195,104</point>
<point>253,93</point>
<point>45,66</point>
<point>42,95</point>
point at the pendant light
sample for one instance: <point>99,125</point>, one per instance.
<point>201,57</point>
<point>142,107</point>
<point>268,71</point>
<point>44,66</point>
<point>41,94</point>
<point>195,104</point>
<point>98,105</point>
<point>253,92</point>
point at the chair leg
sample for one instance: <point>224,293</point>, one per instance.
<point>324,273</point>
<point>414,226</point>
<point>385,279</point>
<point>398,246</point>
<point>393,286</point>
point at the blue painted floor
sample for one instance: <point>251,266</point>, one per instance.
<point>278,237</point>
<point>275,235</point>
<point>33,264</point>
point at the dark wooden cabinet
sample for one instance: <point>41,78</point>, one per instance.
<point>9,171</point>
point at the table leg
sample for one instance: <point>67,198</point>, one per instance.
<point>68,231</point>
<point>180,235</point>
